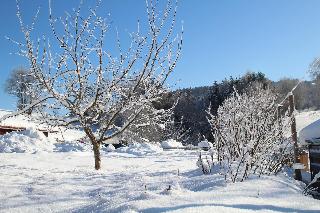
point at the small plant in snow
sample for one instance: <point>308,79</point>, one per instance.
<point>204,163</point>
<point>250,135</point>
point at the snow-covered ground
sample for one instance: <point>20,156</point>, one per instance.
<point>61,178</point>
<point>67,182</point>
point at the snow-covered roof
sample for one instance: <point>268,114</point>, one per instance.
<point>310,132</point>
<point>305,118</point>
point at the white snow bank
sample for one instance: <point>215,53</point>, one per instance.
<point>72,147</point>
<point>140,149</point>
<point>169,144</point>
<point>29,140</point>
<point>205,144</point>
<point>64,134</point>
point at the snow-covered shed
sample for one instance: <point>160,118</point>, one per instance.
<point>310,136</point>
<point>21,122</point>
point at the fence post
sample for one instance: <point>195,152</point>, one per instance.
<point>297,172</point>
<point>279,112</point>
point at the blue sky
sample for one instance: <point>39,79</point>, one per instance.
<point>222,37</point>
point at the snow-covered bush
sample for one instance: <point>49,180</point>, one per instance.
<point>171,144</point>
<point>205,144</point>
<point>110,148</point>
<point>140,149</point>
<point>249,135</point>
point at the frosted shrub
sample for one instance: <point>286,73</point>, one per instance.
<point>249,135</point>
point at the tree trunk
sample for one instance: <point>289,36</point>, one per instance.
<point>97,157</point>
<point>297,172</point>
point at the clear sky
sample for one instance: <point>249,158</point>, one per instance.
<point>222,37</point>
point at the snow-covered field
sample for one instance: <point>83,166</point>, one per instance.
<point>61,178</point>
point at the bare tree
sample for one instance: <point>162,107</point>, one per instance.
<point>22,85</point>
<point>176,130</point>
<point>150,126</point>
<point>314,69</point>
<point>249,135</point>
<point>157,123</point>
<point>87,84</point>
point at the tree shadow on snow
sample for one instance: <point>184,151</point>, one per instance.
<point>236,206</point>
<point>196,181</point>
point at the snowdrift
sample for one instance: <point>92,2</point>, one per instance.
<point>29,141</point>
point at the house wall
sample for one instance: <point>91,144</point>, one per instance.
<point>4,131</point>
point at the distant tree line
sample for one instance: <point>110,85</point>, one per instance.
<point>193,102</point>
